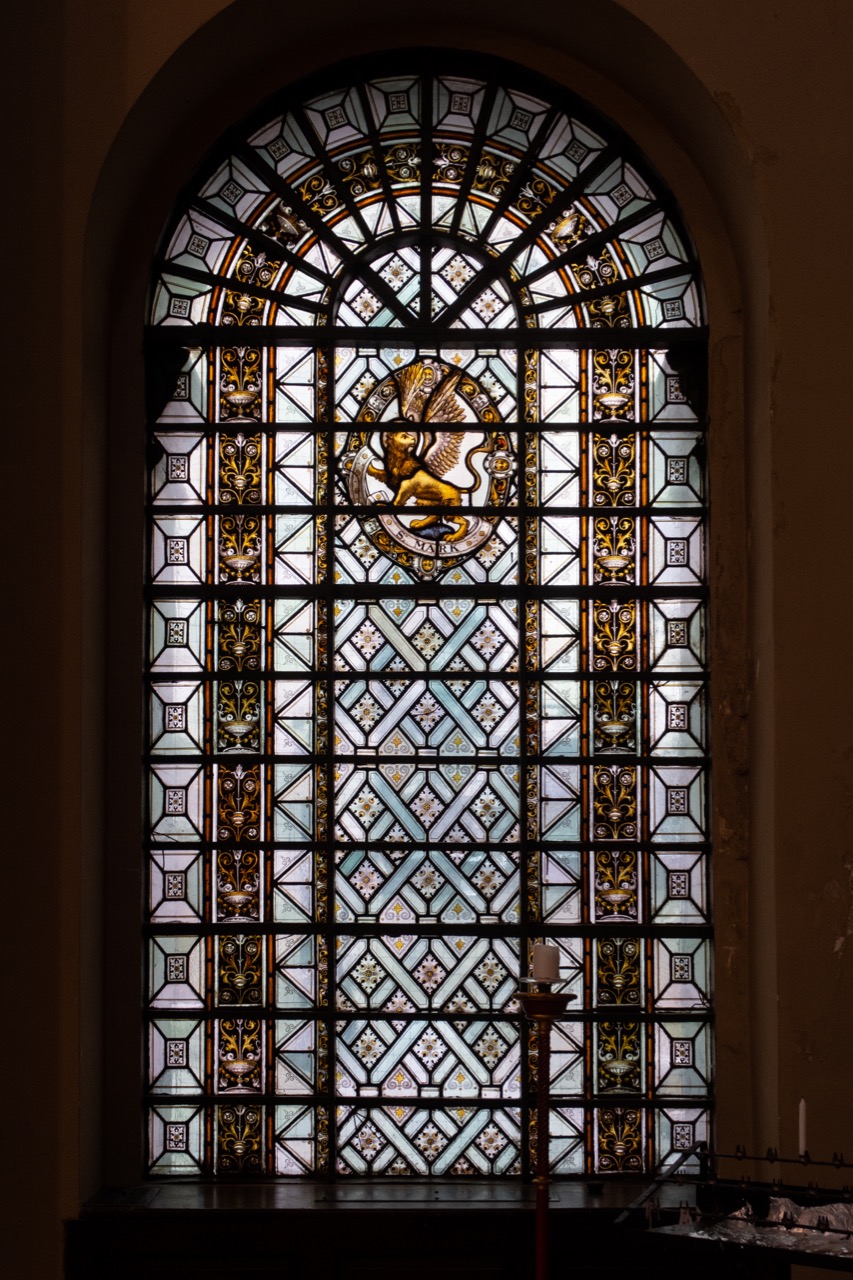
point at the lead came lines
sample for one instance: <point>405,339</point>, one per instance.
<point>338,856</point>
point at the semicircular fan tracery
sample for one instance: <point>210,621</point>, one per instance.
<point>424,201</point>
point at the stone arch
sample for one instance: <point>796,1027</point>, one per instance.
<point>633,77</point>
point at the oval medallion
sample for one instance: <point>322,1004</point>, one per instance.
<point>431,466</point>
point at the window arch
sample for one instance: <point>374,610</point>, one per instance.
<point>426,618</point>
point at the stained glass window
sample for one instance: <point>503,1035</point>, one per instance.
<point>426,671</point>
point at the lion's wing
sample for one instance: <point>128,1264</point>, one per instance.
<point>443,406</point>
<point>443,455</point>
<point>413,382</point>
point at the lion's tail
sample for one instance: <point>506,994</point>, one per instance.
<point>478,479</point>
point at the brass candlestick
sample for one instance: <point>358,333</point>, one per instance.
<point>543,1007</point>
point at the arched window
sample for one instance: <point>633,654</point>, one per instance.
<point>426,617</point>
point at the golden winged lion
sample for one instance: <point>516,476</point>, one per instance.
<point>416,462</point>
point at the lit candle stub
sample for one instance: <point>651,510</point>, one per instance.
<point>803,1146</point>
<point>546,963</point>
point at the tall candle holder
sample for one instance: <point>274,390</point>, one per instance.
<point>543,1007</point>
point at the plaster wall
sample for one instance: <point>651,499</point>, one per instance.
<point>745,107</point>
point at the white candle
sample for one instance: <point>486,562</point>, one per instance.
<point>546,963</point>
<point>802,1117</point>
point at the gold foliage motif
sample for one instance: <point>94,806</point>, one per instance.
<point>403,163</point>
<point>240,548</point>
<point>613,549</point>
<point>615,715</point>
<point>322,1144</point>
<point>531,388</point>
<point>612,383</point>
<point>618,971</point>
<point>533,1055</point>
<point>321,888</point>
<point>531,468</point>
<point>321,467</point>
<point>239,713</point>
<point>322,1056</point>
<point>239,1055</point>
<point>532,803</point>
<point>615,802</point>
<point>240,382</point>
<point>533,1136</point>
<point>240,969</point>
<point>534,196</point>
<point>615,884</point>
<point>450,162</point>
<point>239,814</point>
<point>321,803</point>
<point>321,638</point>
<point>255,268</point>
<point>534,885</point>
<point>610,312</point>
<point>237,884</point>
<point>618,1057</point>
<point>494,172</point>
<point>322,388</point>
<point>532,719</point>
<point>620,1140</point>
<point>240,469</point>
<point>322,970</point>
<point>360,172</point>
<point>240,1139</point>
<point>321,718</point>
<point>322,560</point>
<point>319,194</point>
<point>596,272</point>
<point>531,635</point>
<point>614,635</point>
<point>243,308</point>
<point>239,635</point>
<point>531,551</point>
<point>613,470</point>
